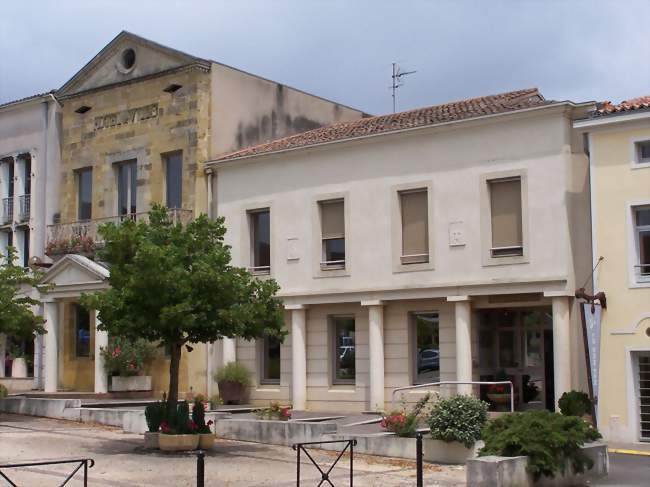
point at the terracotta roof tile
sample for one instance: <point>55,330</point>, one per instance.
<point>448,112</point>
<point>607,107</point>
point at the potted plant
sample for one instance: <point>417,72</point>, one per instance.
<point>404,423</point>
<point>125,361</point>
<point>179,433</point>
<point>206,436</point>
<point>19,362</point>
<point>215,401</point>
<point>274,412</point>
<point>576,403</point>
<point>233,379</point>
<point>154,414</point>
<point>456,424</point>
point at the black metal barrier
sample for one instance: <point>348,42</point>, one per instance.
<point>325,475</point>
<point>418,460</point>
<point>84,463</point>
<point>200,468</point>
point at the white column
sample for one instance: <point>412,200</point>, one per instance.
<point>561,346</point>
<point>101,341</point>
<point>38,361</point>
<point>298,356</point>
<point>51,314</point>
<point>228,351</point>
<point>462,312</point>
<point>376,353</point>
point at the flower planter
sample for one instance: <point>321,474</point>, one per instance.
<point>231,392</point>
<point>178,442</point>
<point>151,440</point>
<point>133,383</point>
<point>438,451</point>
<point>206,441</point>
<point>19,368</point>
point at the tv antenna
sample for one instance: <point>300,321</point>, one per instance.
<point>397,80</point>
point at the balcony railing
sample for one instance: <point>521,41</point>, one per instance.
<point>84,234</point>
<point>24,207</point>
<point>7,210</point>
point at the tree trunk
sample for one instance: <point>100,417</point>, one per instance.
<point>174,367</point>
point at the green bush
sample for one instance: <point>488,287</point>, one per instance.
<point>458,418</point>
<point>548,439</point>
<point>198,416</point>
<point>155,415</point>
<point>575,403</point>
<point>234,372</point>
<point>179,423</point>
<point>3,391</point>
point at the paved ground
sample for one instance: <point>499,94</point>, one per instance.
<point>627,471</point>
<point>121,461</point>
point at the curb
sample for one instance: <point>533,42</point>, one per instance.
<point>629,452</point>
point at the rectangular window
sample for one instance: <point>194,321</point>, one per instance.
<point>260,231</point>
<point>344,350</point>
<point>506,217</point>
<point>642,242</point>
<point>127,188</point>
<point>25,250</point>
<point>174,179</point>
<point>270,363</point>
<point>643,152</point>
<point>415,226</point>
<point>10,177</point>
<point>426,331</point>
<point>332,218</point>
<point>84,193</point>
<point>82,331</point>
<point>27,180</point>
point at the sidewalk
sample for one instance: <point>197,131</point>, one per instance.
<point>638,448</point>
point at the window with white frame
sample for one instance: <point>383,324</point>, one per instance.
<point>642,150</point>
<point>332,218</point>
<point>415,226</point>
<point>260,235</point>
<point>641,221</point>
<point>506,217</point>
<point>270,360</point>
<point>127,187</point>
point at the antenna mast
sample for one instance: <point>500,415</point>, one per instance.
<point>397,80</point>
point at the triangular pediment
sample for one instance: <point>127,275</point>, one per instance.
<point>75,270</point>
<point>125,58</point>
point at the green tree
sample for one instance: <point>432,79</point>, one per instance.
<point>16,316</point>
<point>175,284</point>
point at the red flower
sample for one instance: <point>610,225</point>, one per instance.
<point>210,423</point>
<point>285,412</point>
<point>164,427</point>
<point>193,426</point>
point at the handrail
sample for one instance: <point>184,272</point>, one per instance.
<point>459,382</point>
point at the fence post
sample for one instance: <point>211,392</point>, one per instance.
<point>418,459</point>
<point>352,443</point>
<point>85,473</point>
<point>200,469</point>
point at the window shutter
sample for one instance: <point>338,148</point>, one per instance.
<point>505,202</point>
<point>332,219</point>
<point>415,228</point>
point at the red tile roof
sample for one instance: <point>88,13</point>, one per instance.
<point>640,103</point>
<point>420,117</point>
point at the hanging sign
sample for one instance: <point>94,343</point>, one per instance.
<point>591,320</point>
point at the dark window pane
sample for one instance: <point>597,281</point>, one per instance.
<point>28,176</point>
<point>82,331</point>
<point>344,350</point>
<point>261,236</point>
<point>26,248</point>
<point>11,179</point>
<point>174,179</point>
<point>643,217</point>
<point>427,347</point>
<point>334,249</point>
<point>85,193</point>
<point>271,360</point>
<point>644,151</point>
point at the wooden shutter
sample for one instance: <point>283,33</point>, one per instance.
<point>505,203</point>
<point>332,219</point>
<point>415,227</point>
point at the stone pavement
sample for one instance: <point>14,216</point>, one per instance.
<point>121,461</point>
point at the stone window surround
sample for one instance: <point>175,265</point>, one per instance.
<point>486,218</point>
<point>143,195</point>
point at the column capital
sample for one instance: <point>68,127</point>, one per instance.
<point>372,302</point>
<point>455,299</point>
<point>292,307</point>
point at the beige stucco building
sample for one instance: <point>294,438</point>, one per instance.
<point>619,153</point>
<point>439,244</point>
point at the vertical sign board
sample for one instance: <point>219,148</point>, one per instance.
<point>591,319</point>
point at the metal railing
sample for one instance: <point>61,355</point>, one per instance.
<point>7,210</point>
<point>24,207</point>
<point>459,383</point>
<point>88,229</point>
<point>84,463</point>
<point>325,475</point>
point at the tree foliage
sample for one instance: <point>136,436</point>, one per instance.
<point>175,284</point>
<point>16,316</point>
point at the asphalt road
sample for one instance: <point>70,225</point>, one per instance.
<point>627,471</point>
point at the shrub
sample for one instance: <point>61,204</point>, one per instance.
<point>234,372</point>
<point>548,439</point>
<point>575,403</point>
<point>3,391</point>
<point>404,423</point>
<point>126,357</point>
<point>274,411</point>
<point>198,416</point>
<point>155,415</point>
<point>179,423</point>
<point>458,418</point>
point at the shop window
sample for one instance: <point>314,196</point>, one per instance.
<point>426,342</point>
<point>344,348</point>
<point>270,360</point>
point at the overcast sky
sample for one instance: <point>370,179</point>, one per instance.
<point>343,49</point>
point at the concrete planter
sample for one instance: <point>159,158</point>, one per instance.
<point>19,368</point>
<point>178,442</point>
<point>273,432</point>
<point>151,440</point>
<point>438,451</point>
<point>231,392</point>
<point>134,383</point>
<point>206,441</point>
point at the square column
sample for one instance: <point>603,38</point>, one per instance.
<point>463,316</point>
<point>51,373</point>
<point>101,341</point>
<point>376,353</point>
<point>228,351</point>
<point>561,346</point>
<point>298,355</point>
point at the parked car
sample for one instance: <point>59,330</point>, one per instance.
<point>429,359</point>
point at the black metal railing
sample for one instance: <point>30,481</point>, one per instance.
<point>84,463</point>
<point>325,475</point>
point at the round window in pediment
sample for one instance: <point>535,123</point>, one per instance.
<point>128,59</point>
